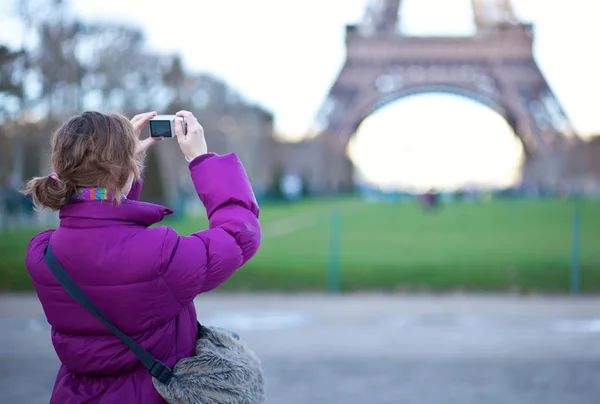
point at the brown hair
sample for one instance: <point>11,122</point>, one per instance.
<point>89,150</point>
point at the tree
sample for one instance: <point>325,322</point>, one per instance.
<point>12,72</point>
<point>68,65</point>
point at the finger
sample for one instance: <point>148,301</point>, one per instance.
<point>189,117</point>
<point>140,120</point>
<point>146,117</point>
<point>179,131</point>
<point>142,115</point>
<point>149,141</point>
<point>136,118</point>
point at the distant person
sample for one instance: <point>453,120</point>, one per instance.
<point>143,278</point>
<point>429,200</point>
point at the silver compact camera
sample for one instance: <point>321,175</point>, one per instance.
<point>164,125</point>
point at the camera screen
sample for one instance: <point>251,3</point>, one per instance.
<point>160,128</point>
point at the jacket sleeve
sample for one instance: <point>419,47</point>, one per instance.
<point>204,260</point>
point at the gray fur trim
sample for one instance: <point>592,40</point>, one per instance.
<point>224,371</point>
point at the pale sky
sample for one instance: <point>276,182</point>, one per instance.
<point>284,54</point>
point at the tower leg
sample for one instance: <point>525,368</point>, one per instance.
<point>544,171</point>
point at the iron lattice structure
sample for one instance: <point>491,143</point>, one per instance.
<point>495,66</point>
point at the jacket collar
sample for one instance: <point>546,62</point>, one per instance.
<point>87,213</point>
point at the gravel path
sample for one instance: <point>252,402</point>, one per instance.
<point>371,349</point>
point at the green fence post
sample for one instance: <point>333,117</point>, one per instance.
<point>333,268</point>
<point>576,251</point>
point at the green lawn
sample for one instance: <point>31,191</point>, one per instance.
<point>495,246</point>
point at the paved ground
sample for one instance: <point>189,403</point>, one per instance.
<point>371,349</point>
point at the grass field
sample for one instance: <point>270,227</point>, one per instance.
<point>520,246</point>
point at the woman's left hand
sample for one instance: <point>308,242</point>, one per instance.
<point>138,122</point>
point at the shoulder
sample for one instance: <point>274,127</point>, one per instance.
<point>158,236</point>
<point>41,238</point>
<point>34,258</point>
<point>160,242</point>
<point>37,245</point>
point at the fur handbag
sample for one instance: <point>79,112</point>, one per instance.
<point>224,370</point>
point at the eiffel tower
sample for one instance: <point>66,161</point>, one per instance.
<point>495,67</point>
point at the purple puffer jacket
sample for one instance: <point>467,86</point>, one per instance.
<point>144,279</point>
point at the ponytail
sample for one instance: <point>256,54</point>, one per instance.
<point>49,192</point>
<point>89,150</point>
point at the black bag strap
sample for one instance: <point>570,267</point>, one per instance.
<point>157,369</point>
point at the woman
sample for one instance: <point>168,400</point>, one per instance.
<point>143,278</point>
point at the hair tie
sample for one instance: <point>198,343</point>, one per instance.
<point>54,176</point>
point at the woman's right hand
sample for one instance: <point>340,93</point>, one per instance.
<point>192,143</point>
